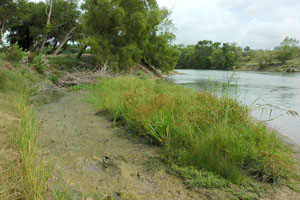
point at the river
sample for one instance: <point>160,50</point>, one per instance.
<point>274,97</point>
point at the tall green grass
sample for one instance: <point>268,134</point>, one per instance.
<point>196,129</point>
<point>35,172</point>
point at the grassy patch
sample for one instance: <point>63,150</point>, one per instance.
<point>200,179</point>
<point>35,173</point>
<point>24,175</point>
<point>196,129</point>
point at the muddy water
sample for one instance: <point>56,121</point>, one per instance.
<point>275,96</point>
<point>97,160</point>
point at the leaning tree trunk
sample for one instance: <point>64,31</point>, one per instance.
<point>53,48</point>
<point>44,38</point>
<point>82,51</point>
<point>63,42</point>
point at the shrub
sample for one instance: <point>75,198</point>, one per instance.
<point>14,53</point>
<point>39,64</point>
<point>196,129</point>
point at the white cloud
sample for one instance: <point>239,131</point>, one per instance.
<point>254,23</point>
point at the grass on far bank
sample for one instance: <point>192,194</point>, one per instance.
<point>196,129</point>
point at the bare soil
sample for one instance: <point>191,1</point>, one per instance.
<point>98,161</point>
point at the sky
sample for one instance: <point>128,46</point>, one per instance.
<point>260,24</point>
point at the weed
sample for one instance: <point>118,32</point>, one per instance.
<point>39,64</point>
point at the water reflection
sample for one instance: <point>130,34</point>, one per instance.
<point>275,93</point>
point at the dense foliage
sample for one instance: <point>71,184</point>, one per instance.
<point>119,33</point>
<point>123,33</point>
<point>209,55</point>
<point>212,55</point>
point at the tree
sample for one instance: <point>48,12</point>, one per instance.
<point>263,58</point>
<point>47,27</point>
<point>203,50</point>
<point>217,59</point>
<point>27,25</point>
<point>247,49</point>
<point>123,33</point>
<point>33,29</point>
<point>64,25</point>
<point>287,50</point>
<point>186,59</point>
<point>7,9</point>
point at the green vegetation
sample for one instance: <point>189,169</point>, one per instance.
<point>194,178</point>
<point>118,33</point>
<point>39,64</point>
<point>24,174</point>
<point>196,129</point>
<point>288,49</point>
<point>138,33</point>
<point>210,55</point>
<point>34,172</point>
<point>14,53</point>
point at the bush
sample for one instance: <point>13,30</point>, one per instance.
<point>14,53</point>
<point>196,129</point>
<point>39,64</point>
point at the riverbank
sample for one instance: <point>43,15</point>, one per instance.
<point>176,128</point>
<point>289,68</point>
<point>161,126</point>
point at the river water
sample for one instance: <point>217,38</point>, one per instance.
<point>274,97</point>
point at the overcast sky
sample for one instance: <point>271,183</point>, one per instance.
<point>254,23</point>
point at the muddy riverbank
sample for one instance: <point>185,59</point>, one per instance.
<point>99,161</point>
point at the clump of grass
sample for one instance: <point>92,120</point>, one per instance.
<point>200,179</point>
<point>35,172</point>
<point>196,129</point>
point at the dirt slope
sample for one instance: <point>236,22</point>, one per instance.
<point>98,161</point>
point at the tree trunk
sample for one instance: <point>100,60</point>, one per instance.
<point>82,51</point>
<point>63,42</point>
<point>1,30</point>
<point>44,38</point>
<point>53,48</point>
